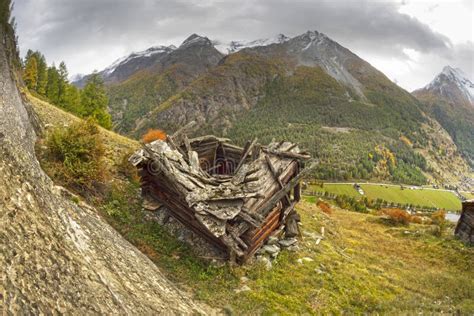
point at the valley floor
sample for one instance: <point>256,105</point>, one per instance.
<point>421,196</point>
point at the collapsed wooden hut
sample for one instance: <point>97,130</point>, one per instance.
<point>465,227</point>
<point>233,197</point>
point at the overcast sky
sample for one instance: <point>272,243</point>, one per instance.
<point>410,41</point>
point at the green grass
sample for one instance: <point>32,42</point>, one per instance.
<point>425,197</point>
<point>339,189</point>
<point>362,266</point>
<point>469,196</point>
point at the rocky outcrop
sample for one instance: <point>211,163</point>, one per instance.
<point>56,255</point>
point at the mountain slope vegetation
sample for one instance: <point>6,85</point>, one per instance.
<point>449,98</point>
<point>140,91</point>
<point>308,89</point>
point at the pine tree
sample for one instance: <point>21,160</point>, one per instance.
<point>42,73</point>
<point>94,101</point>
<point>63,84</point>
<point>30,75</point>
<point>52,88</point>
<point>72,99</point>
<point>28,56</point>
<point>5,10</point>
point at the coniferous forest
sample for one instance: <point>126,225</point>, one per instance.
<point>51,83</point>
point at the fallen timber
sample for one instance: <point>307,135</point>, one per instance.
<point>232,197</point>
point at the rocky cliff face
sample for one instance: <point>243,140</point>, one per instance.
<point>59,256</point>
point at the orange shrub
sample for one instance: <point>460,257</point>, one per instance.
<point>439,220</point>
<point>398,216</point>
<point>325,207</point>
<point>152,135</point>
<point>439,217</point>
<point>416,220</point>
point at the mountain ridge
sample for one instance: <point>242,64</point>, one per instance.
<point>283,86</point>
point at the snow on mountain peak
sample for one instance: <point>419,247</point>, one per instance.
<point>235,46</point>
<point>145,53</point>
<point>456,76</point>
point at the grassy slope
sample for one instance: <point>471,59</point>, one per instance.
<point>116,145</point>
<point>367,266</point>
<point>425,197</point>
<point>469,196</point>
<point>340,189</point>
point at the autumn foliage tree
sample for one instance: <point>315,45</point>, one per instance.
<point>30,74</point>
<point>52,83</point>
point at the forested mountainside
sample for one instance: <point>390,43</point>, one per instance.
<point>449,98</point>
<point>143,91</point>
<point>59,256</point>
<point>309,89</point>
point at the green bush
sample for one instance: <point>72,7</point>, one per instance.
<point>76,153</point>
<point>126,169</point>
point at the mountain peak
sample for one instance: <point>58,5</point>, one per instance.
<point>195,39</point>
<point>454,73</point>
<point>312,35</point>
<point>452,85</point>
<point>135,55</point>
<point>452,77</point>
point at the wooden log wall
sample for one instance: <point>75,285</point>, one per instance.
<point>465,227</point>
<point>270,174</point>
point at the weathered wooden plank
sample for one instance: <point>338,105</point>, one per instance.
<point>183,130</point>
<point>280,194</point>
<point>277,178</point>
<point>285,154</point>
<point>246,153</point>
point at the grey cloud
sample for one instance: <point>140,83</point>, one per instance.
<point>70,29</point>
<point>363,23</point>
<point>462,56</point>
